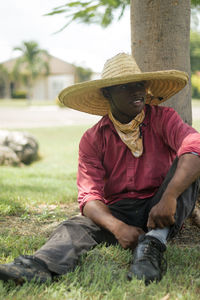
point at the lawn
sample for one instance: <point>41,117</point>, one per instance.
<point>23,102</point>
<point>196,102</point>
<point>34,199</point>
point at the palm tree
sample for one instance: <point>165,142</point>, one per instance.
<point>32,63</point>
<point>4,79</point>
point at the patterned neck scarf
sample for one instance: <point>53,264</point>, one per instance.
<point>130,133</point>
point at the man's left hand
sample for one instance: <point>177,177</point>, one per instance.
<point>162,214</point>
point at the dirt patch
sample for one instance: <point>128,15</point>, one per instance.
<point>40,221</point>
<point>189,235</point>
<point>190,232</point>
<point>43,221</point>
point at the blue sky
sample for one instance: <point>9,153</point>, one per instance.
<point>89,46</point>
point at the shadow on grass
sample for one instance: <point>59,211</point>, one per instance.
<point>34,190</point>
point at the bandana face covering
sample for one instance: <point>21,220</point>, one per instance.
<point>130,133</point>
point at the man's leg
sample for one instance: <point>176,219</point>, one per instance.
<point>69,241</point>
<point>185,202</point>
<point>160,233</point>
<point>148,255</point>
<point>60,253</point>
<point>133,212</point>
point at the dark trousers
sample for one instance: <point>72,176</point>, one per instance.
<point>76,236</point>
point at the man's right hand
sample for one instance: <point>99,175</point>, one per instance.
<point>127,235</point>
<point>100,214</point>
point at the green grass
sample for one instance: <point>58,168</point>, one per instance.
<point>101,274</point>
<point>23,102</point>
<point>196,125</point>
<point>35,198</point>
<point>196,102</point>
<point>51,180</point>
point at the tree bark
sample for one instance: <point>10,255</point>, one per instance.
<point>160,40</point>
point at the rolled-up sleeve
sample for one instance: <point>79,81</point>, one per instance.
<point>91,174</point>
<point>181,137</point>
<point>190,144</point>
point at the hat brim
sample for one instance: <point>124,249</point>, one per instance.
<point>87,96</point>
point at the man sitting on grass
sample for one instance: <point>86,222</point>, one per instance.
<point>137,175</point>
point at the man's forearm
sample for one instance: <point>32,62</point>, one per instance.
<point>187,171</point>
<point>100,214</point>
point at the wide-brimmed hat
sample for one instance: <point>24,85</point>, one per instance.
<point>122,68</point>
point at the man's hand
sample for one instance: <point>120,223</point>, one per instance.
<point>127,235</point>
<point>162,214</point>
<point>187,171</point>
<point>100,214</point>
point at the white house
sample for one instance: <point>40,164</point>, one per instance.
<point>61,74</point>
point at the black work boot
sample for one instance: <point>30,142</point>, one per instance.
<point>148,260</point>
<point>25,268</point>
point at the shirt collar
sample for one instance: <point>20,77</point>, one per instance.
<point>105,121</point>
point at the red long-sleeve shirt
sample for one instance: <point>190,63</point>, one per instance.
<point>108,171</point>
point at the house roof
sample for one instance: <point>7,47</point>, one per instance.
<point>56,65</point>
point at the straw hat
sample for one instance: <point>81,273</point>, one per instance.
<point>122,68</point>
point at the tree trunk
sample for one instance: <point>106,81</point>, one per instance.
<point>160,40</point>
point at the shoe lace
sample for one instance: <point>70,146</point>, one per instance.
<point>154,253</point>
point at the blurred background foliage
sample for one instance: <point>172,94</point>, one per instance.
<point>103,12</point>
<point>195,63</point>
